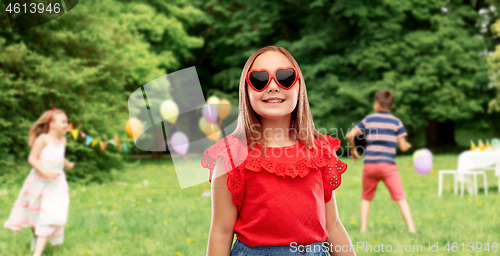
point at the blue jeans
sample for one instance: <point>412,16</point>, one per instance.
<point>241,249</point>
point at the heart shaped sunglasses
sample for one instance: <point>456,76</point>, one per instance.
<point>259,79</point>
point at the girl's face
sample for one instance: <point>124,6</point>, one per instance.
<point>258,100</point>
<point>59,123</point>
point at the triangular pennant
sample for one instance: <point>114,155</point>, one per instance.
<point>117,141</point>
<point>112,142</point>
<point>75,133</point>
<point>125,147</point>
<point>70,127</point>
<point>82,134</point>
<point>103,145</point>
<point>94,142</point>
<point>88,140</point>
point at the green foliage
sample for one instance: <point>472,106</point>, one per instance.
<point>429,53</point>
<point>87,63</point>
<point>494,63</point>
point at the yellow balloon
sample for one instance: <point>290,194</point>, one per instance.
<point>204,124</point>
<point>169,111</point>
<point>213,100</point>
<point>213,132</point>
<point>223,108</point>
<point>135,124</point>
<point>417,154</point>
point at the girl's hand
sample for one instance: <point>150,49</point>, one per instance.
<point>51,175</point>
<point>68,165</point>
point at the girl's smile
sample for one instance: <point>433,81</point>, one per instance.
<point>273,100</point>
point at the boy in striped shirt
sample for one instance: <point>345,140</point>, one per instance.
<point>383,132</point>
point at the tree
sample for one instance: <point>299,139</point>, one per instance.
<point>429,53</point>
<point>87,63</point>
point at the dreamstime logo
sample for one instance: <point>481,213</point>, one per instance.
<point>25,14</point>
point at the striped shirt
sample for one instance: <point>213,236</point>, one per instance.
<point>381,132</point>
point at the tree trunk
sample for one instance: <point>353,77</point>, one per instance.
<point>440,134</point>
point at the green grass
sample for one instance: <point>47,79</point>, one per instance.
<point>144,212</point>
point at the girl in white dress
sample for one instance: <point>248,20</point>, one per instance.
<point>43,201</point>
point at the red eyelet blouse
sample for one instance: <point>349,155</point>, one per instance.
<point>280,196</point>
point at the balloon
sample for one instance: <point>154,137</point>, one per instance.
<point>204,124</point>
<point>169,111</point>
<point>423,164</point>
<point>418,153</point>
<point>223,108</point>
<point>427,152</point>
<point>213,100</point>
<point>180,142</point>
<point>133,124</point>
<point>214,134</point>
<point>210,113</point>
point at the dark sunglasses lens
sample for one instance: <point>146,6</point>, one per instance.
<point>259,79</point>
<point>286,77</point>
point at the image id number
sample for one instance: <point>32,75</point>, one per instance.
<point>471,247</point>
<point>33,8</point>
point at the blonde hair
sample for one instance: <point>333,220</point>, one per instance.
<point>302,120</point>
<point>41,126</point>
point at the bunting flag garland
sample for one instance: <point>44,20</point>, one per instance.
<point>103,145</point>
<point>74,132</point>
<point>88,140</point>
<point>112,142</point>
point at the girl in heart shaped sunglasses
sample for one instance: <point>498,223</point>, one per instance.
<point>279,201</point>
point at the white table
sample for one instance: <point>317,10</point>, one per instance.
<point>477,160</point>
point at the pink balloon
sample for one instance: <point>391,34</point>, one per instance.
<point>180,142</point>
<point>423,164</point>
<point>210,113</point>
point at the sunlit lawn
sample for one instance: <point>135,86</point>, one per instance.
<point>144,212</point>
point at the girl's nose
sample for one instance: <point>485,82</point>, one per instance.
<point>273,86</point>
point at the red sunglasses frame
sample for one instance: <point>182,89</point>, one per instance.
<point>272,76</point>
